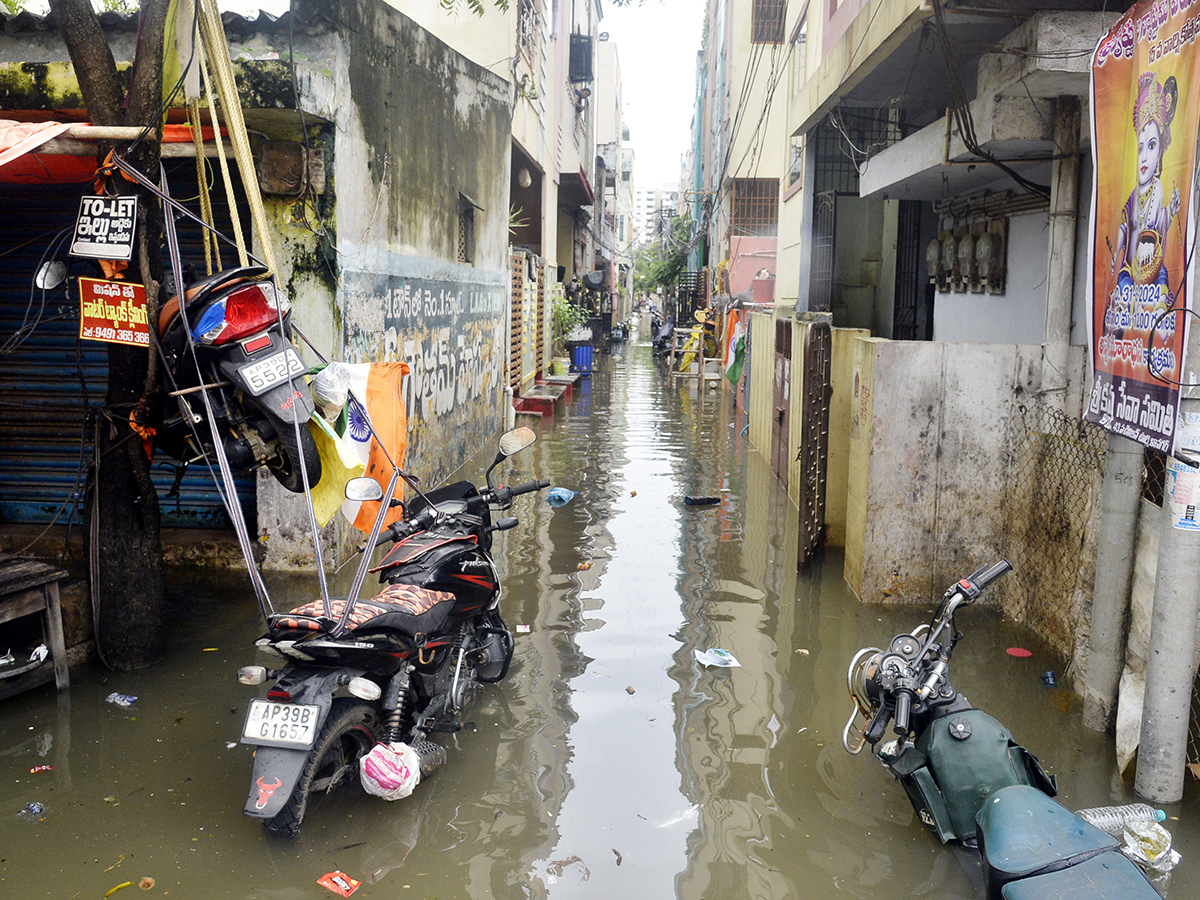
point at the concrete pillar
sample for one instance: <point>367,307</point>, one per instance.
<point>1114,575</point>
<point>1060,271</point>
<point>1162,749</point>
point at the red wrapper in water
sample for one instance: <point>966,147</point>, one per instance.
<point>339,883</point>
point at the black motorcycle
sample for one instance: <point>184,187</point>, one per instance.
<point>969,781</point>
<point>396,668</point>
<point>236,343</point>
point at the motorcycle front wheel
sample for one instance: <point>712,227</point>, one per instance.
<point>348,734</point>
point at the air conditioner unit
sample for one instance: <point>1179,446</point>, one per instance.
<point>580,66</point>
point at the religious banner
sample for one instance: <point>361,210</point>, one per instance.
<point>1145,93</point>
<point>113,311</point>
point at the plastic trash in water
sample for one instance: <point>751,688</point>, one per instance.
<point>701,501</point>
<point>32,811</point>
<point>1115,819</point>
<point>1149,845</point>
<point>714,656</point>
<point>39,654</point>
<point>1049,680</point>
<point>122,700</point>
<point>559,496</point>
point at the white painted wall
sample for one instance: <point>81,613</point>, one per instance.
<point>1018,316</point>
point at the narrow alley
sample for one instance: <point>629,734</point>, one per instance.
<point>611,762</point>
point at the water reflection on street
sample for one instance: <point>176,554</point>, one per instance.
<point>610,762</point>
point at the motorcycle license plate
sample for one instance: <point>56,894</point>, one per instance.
<point>272,724</point>
<point>266,373</point>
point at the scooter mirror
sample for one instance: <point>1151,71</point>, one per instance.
<point>363,489</point>
<point>50,275</point>
<point>516,440</point>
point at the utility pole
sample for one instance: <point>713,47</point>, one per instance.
<point>1170,669</point>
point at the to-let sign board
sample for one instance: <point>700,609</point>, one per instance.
<point>104,227</point>
<point>113,311</point>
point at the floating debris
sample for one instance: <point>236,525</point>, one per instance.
<point>714,656</point>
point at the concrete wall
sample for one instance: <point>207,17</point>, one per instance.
<point>1019,314</point>
<point>932,429</point>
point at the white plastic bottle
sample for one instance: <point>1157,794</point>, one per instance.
<point>1113,819</point>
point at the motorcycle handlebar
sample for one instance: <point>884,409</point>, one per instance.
<point>988,574</point>
<point>528,487</point>
<point>903,711</point>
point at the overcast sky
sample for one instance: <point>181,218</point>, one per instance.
<point>657,43</point>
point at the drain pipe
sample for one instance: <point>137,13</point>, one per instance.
<point>1060,269</point>
<point>1115,553</point>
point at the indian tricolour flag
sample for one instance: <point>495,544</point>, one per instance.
<point>377,387</point>
<point>735,347</point>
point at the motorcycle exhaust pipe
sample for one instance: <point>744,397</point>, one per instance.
<point>432,756</point>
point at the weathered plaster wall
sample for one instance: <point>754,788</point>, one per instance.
<point>419,131</point>
<point>933,427</point>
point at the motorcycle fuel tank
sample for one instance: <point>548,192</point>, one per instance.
<point>442,561</point>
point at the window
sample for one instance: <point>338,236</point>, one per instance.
<point>766,23</point>
<point>528,29</point>
<point>796,163</point>
<point>466,233</point>
<point>755,207</point>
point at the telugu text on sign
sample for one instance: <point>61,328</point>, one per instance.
<point>113,311</point>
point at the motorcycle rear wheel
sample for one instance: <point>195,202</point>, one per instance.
<point>285,464</point>
<point>348,734</point>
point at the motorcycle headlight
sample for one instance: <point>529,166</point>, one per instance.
<point>859,679</point>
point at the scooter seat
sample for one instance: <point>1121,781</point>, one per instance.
<point>1109,876</point>
<point>398,607</point>
<point>1023,833</point>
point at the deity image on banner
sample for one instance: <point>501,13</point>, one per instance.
<point>1143,279</point>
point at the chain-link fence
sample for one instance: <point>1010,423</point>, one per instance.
<point>1054,496</point>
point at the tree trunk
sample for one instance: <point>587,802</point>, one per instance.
<point>130,618</point>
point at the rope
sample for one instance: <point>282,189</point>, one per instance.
<point>213,32</point>
<point>211,249</point>
<point>234,216</point>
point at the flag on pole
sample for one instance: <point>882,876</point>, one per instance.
<point>377,386</point>
<point>735,347</point>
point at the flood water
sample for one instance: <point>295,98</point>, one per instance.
<point>610,763</point>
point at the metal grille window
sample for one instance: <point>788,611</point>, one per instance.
<point>466,233</point>
<point>756,207</point>
<point>528,27</point>
<point>846,139</point>
<point>766,24</point>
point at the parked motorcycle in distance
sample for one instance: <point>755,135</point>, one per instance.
<point>241,331</point>
<point>391,670</point>
<point>966,777</point>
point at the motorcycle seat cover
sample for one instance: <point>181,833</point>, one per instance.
<point>400,607</point>
<point>1024,833</point>
<point>1108,876</point>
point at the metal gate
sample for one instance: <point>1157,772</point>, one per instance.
<point>820,290</point>
<point>781,417</point>
<point>908,317</point>
<point>814,439</point>
<point>516,261</point>
<point>50,379</point>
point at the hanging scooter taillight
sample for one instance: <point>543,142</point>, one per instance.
<point>248,309</point>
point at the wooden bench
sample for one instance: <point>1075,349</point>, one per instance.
<point>29,587</point>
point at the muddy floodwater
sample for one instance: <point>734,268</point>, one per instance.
<point>611,763</point>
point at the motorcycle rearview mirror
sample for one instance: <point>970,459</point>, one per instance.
<point>511,442</point>
<point>363,489</point>
<point>50,275</point>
